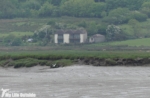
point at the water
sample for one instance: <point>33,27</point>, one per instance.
<point>78,81</point>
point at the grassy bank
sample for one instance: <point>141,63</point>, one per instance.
<point>72,54</point>
<point>65,58</point>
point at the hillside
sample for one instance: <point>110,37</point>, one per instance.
<point>25,27</point>
<point>21,18</point>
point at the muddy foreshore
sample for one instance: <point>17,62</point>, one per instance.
<point>78,81</point>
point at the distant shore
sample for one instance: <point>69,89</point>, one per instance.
<point>62,58</point>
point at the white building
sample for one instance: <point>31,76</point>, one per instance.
<point>97,38</point>
<point>70,36</point>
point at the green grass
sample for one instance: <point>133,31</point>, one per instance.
<point>134,42</point>
<point>72,54</point>
<point>32,24</point>
<point>22,33</point>
<point>17,34</point>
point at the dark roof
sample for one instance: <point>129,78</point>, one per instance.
<point>81,31</point>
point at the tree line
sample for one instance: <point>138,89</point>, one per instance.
<point>110,10</point>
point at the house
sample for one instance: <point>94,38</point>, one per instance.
<point>97,38</point>
<point>70,36</point>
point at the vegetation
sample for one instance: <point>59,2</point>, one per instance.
<point>77,8</point>
<point>118,20</point>
<point>134,42</point>
<point>65,58</point>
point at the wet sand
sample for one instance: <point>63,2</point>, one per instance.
<point>78,81</point>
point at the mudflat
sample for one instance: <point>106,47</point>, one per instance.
<point>78,81</point>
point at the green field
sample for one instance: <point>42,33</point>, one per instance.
<point>72,54</point>
<point>17,34</point>
<point>30,24</point>
<point>133,42</point>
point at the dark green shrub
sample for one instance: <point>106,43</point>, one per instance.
<point>27,62</point>
<point>42,62</point>
<point>19,64</point>
<point>49,63</point>
<point>64,62</point>
<point>4,57</point>
<point>30,64</point>
<point>16,42</point>
<point>139,16</point>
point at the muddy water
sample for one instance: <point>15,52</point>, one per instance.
<point>78,81</point>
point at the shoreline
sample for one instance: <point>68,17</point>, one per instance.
<point>30,62</point>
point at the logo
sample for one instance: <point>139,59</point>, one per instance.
<point>6,93</point>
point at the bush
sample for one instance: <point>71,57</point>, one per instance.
<point>49,63</point>
<point>138,16</point>
<point>42,62</point>
<point>30,64</point>
<point>18,64</point>
<point>64,62</point>
<point>16,42</point>
<point>27,62</point>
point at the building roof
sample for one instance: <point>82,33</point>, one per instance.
<point>81,31</point>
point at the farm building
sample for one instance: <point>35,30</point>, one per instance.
<point>70,36</point>
<point>97,38</point>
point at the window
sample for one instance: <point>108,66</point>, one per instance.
<point>74,38</point>
<point>60,41</point>
<point>60,36</point>
<point>71,36</point>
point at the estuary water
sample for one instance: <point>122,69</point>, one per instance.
<point>78,81</point>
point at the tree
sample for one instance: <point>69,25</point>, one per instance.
<point>8,39</point>
<point>138,16</point>
<point>7,9</point>
<point>102,28</point>
<point>56,2</point>
<point>46,9</point>
<point>78,8</point>
<point>114,33</point>
<point>92,28</point>
<point>44,35</point>
<point>97,9</point>
<point>113,4</point>
<point>99,0</point>
<point>118,16</point>
<point>31,4</point>
<point>131,4</point>
<point>146,8</point>
<point>136,27</point>
<point>134,4</point>
<point>16,42</point>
